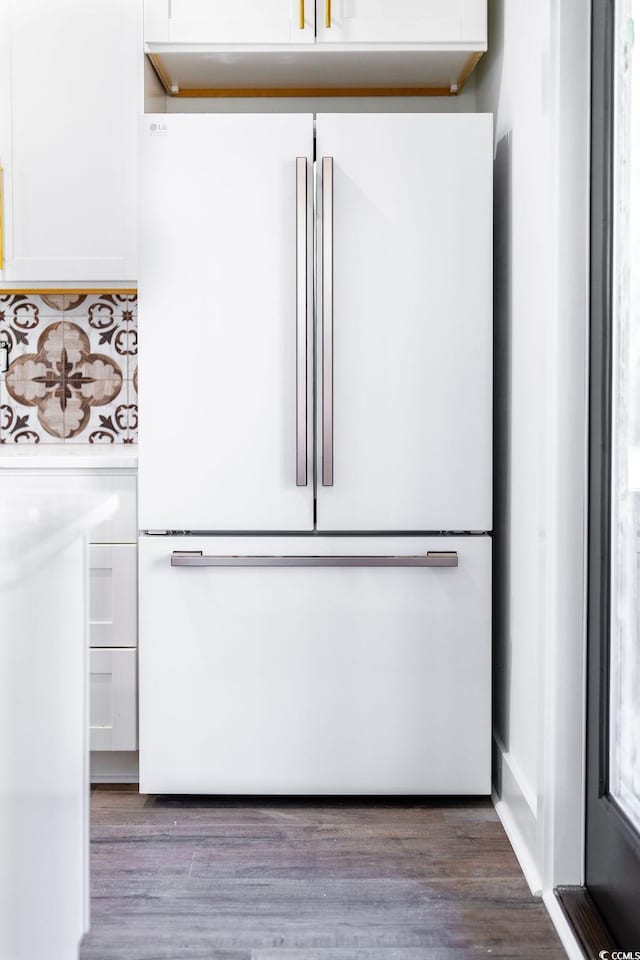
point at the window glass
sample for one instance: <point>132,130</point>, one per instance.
<point>624,770</point>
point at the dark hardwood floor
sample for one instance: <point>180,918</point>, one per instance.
<point>222,879</point>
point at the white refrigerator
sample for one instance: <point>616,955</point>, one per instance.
<point>315,453</point>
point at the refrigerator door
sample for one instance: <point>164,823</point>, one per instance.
<point>404,322</point>
<point>225,305</point>
<point>361,677</point>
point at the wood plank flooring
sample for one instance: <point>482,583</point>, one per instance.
<point>226,879</point>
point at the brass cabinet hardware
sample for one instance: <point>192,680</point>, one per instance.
<point>301,15</point>
<point>327,13</point>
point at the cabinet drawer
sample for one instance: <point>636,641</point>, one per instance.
<point>113,593</point>
<point>298,679</point>
<point>113,700</point>
<point>122,527</point>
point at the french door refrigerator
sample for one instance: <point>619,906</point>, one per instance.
<point>315,453</point>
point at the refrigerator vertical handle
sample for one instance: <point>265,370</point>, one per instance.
<point>301,321</point>
<point>327,321</point>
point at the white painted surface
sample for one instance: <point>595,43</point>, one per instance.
<point>50,456</point>
<point>113,595</point>
<point>70,92</point>
<point>409,21</point>
<point>315,680</point>
<point>227,21</point>
<point>218,214</point>
<point>563,928</point>
<point>37,523</point>
<point>277,21</point>
<point>304,66</point>
<point>43,739</point>
<point>412,359</point>
<point>119,526</point>
<point>114,766</point>
<point>113,700</point>
<point>536,82</point>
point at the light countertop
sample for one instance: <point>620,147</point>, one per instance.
<point>66,456</point>
<point>35,525</point>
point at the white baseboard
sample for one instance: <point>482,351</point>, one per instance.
<point>563,927</point>
<point>114,767</point>
<point>515,805</point>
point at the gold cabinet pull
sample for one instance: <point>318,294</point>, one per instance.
<point>301,15</point>
<point>1,222</point>
<point>327,13</point>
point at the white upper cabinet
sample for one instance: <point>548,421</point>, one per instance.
<point>223,47</point>
<point>229,21</point>
<point>306,21</point>
<point>70,92</point>
<point>401,21</point>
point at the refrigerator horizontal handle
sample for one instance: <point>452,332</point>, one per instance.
<point>195,558</point>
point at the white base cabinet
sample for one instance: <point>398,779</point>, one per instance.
<point>112,621</point>
<point>112,699</point>
<point>113,595</point>
<point>315,680</point>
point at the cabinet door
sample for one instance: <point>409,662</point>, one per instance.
<point>70,100</point>
<point>405,383</point>
<point>113,614</point>
<point>402,21</point>
<point>113,700</point>
<point>226,317</point>
<point>229,21</point>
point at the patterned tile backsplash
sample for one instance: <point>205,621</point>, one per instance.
<point>73,368</point>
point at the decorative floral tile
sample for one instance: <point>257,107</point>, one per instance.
<point>19,423</point>
<point>114,304</point>
<point>103,422</point>
<point>111,335</point>
<point>132,414</point>
<point>72,368</point>
<point>22,318</point>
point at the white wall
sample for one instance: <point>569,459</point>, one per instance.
<point>535,80</point>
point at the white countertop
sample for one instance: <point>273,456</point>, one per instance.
<point>66,456</point>
<point>34,525</point>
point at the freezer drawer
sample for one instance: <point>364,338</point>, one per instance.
<point>315,679</point>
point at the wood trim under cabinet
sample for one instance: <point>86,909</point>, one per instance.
<point>316,92</point>
<point>233,92</point>
<point>470,66</point>
<point>59,291</point>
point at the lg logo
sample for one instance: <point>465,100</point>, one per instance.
<point>158,127</point>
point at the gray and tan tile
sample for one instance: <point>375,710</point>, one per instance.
<point>72,366</point>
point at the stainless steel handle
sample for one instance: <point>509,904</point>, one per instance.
<point>301,321</point>
<point>327,321</point>
<point>196,558</point>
